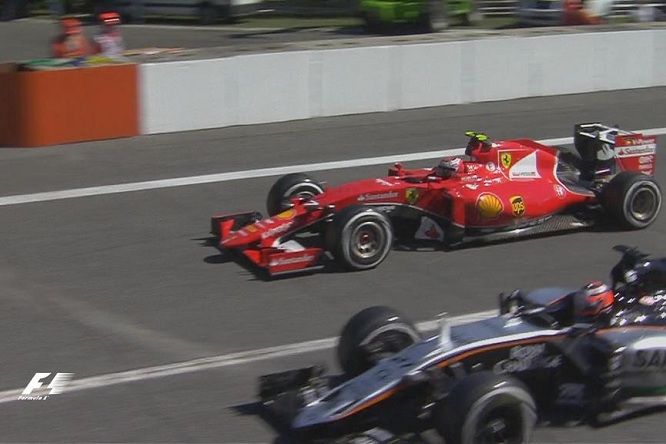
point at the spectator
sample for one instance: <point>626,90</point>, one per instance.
<point>71,42</point>
<point>575,13</point>
<point>109,42</point>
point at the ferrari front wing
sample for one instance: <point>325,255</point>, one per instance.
<point>277,258</point>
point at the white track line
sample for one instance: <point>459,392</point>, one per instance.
<point>251,174</point>
<point>201,364</point>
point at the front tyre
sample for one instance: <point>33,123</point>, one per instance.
<point>633,199</point>
<point>486,408</point>
<point>288,187</point>
<point>372,334</point>
<point>359,237</point>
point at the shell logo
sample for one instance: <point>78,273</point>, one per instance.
<point>287,215</point>
<point>489,206</point>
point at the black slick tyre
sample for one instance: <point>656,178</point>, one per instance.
<point>486,408</point>
<point>633,199</point>
<point>372,334</point>
<point>288,187</point>
<point>359,237</point>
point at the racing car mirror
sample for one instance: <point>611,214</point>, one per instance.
<point>444,330</point>
<point>623,272</point>
<point>510,303</point>
<point>311,205</point>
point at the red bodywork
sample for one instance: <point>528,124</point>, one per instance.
<point>509,185</point>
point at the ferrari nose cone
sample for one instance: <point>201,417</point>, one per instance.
<point>242,237</point>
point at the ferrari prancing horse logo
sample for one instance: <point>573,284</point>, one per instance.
<point>506,159</point>
<point>412,195</point>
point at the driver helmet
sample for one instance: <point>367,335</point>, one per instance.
<point>593,299</point>
<point>449,167</point>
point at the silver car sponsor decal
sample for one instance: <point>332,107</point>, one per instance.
<point>527,357</point>
<point>649,360</point>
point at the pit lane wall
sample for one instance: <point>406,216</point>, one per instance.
<point>260,88</point>
<point>59,106</point>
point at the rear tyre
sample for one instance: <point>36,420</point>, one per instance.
<point>486,408</point>
<point>288,187</point>
<point>633,199</point>
<point>359,237</point>
<point>372,334</point>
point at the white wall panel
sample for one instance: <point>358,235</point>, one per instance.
<point>182,96</point>
<point>258,88</point>
<point>431,74</point>
<point>658,57</point>
<point>501,69</point>
<point>565,64</point>
<point>273,87</point>
<point>355,80</point>
<point>628,59</point>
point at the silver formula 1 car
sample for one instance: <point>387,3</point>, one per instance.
<point>492,380</point>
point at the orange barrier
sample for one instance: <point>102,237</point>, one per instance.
<point>7,87</point>
<point>58,106</point>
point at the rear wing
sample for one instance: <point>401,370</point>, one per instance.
<point>608,150</point>
<point>636,152</point>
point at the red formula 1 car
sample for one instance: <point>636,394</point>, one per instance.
<point>497,190</point>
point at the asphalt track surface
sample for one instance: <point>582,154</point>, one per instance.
<point>122,282</point>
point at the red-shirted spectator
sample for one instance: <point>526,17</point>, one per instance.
<point>71,42</point>
<point>575,13</point>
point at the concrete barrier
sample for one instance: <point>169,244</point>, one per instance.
<point>316,79</point>
<point>260,88</point>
